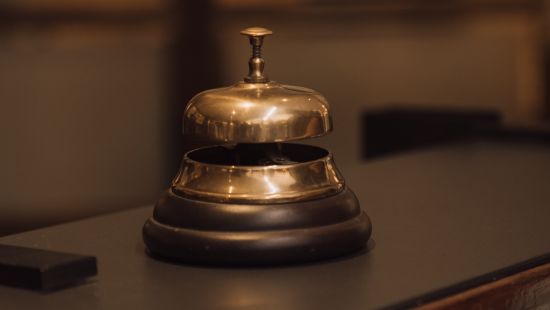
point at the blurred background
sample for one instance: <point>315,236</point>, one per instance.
<point>92,92</point>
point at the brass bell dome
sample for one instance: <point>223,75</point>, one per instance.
<point>257,110</point>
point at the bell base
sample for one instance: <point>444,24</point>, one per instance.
<point>264,244</point>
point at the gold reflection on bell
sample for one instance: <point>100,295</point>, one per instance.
<point>213,181</point>
<point>259,113</point>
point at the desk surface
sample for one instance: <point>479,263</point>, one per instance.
<point>445,219</point>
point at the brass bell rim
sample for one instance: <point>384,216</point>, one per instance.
<point>260,184</point>
<point>260,200</point>
<point>328,156</point>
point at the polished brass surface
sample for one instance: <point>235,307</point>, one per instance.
<point>261,183</point>
<point>256,32</point>
<point>256,110</point>
<point>257,113</point>
<point>256,62</point>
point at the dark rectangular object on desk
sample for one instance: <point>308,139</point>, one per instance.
<point>42,269</point>
<point>398,129</point>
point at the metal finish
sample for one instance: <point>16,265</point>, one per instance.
<point>260,184</point>
<point>256,110</point>
<point>257,113</point>
<point>256,32</point>
<point>256,62</point>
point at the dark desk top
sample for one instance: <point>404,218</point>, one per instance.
<point>445,219</point>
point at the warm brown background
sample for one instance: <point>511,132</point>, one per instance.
<point>91,92</point>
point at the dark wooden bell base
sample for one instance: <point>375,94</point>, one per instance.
<point>199,232</point>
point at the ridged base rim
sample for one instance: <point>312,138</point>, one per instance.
<point>260,247</point>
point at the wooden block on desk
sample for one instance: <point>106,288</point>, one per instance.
<point>42,269</point>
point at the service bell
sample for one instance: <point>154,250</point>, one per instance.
<point>255,199</point>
